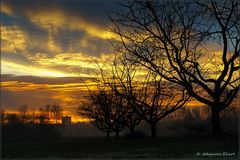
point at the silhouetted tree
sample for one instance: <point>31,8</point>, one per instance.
<point>57,112</point>
<point>147,95</point>
<point>153,100</point>
<point>32,116</point>
<point>23,113</point>
<point>43,116</point>
<point>172,39</point>
<point>47,110</point>
<point>104,110</point>
<point>3,116</point>
<point>13,118</point>
<point>132,119</point>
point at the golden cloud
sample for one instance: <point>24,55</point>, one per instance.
<point>32,70</point>
<point>20,86</point>
<point>57,19</point>
<point>13,39</point>
<point>52,45</point>
<point>61,88</point>
<point>72,59</point>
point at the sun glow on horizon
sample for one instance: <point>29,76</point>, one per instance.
<point>20,69</point>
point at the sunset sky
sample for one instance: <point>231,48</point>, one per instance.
<point>44,44</point>
<point>47,46</point>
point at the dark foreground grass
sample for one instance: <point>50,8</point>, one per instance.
<point>177,147</point>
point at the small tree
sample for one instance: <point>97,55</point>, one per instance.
<point>23,112</point>
<point>32,116</point>
<point>104,110</point>
<point>13,118</point>
<point>57,112</point>
<point>47,110</point>
<point>132,119</point>
<point>42,116</point>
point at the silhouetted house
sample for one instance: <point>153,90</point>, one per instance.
<point>66,120</point>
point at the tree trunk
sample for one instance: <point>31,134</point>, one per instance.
<point>117,134</point>
<point>107,135</point>
<point>216,127</point>
<point>153,130</point>
<point>131,131</point>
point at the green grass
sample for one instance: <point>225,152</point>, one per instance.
<point>178,147</point>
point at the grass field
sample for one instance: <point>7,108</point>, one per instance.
<point>177,147</point>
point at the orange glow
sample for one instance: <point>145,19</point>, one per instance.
<point>33,70</point>
<point>44,45</point>
<point>74,118</point>
<point>62,93</point>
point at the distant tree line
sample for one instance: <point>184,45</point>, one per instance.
<point>26,115</point>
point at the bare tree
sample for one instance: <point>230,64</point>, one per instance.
<point>172,39</point>
<point>147,95</point>
<point>132,119</point>
<point>23,112</point>
<point>32,116</point>
<point>13,118</point>
<point>98,115</point>
<point>43,116</point>
<point>104,110</point>
<point>57,112</point>
<point>47,110</point>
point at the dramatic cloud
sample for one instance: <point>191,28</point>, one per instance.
<point>48,46</point>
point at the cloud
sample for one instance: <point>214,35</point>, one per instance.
<point>49,38</point>
<point>33,98</point>
<point>13,39</point>
<point>6,9</point>
<point>67,59</point>
<point>9,67</point>
<point>17,86</point>
<point>52,45</point>
<point>59,65</point>
<point>55,20</point>
<point>38,91</point>
<point>41,80</point>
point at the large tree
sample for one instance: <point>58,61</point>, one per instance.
<point>176,40</point>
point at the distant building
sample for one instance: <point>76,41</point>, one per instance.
<point>66,120</point>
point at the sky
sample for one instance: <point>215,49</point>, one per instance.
<point>47,49</point>
<point>47,45</point>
